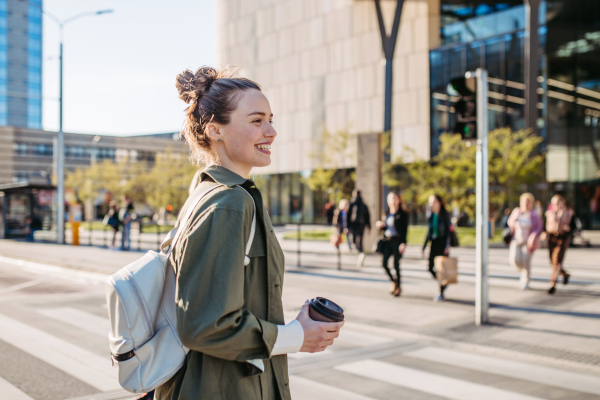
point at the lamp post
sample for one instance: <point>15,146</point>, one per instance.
<point>60,143</point>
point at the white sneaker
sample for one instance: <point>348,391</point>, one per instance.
<point>361,260</point>
<point>439,298</point>
<point>525,286</point>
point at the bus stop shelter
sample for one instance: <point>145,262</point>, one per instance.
<point>25,207</point>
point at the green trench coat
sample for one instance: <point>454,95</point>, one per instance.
<point>228,314</point>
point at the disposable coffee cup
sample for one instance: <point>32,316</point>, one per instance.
<point>324,310</point>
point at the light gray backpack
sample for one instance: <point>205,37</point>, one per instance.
<point>144,343</point>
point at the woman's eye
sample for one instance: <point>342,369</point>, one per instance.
<point>271,122</point>
<point>256,120</point>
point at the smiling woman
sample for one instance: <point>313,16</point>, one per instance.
<point>229,309</point>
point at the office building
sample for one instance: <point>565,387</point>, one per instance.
<point>320,64</point>
<point>21,63</point>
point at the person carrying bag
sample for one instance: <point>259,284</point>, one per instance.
<point>438,233</point>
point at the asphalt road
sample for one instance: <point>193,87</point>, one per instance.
<point>53,343</point>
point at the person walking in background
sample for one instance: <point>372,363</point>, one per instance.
<point>340,220</point>
<point>112,219</point>
<point>125,216</point>
<point>359,220</point>
<point>394,229</point>
<point>526,226</point>
<point>330,212</point>
<point>558,229</point>
<point>438,232</point>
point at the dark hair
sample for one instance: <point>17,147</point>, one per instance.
<point>213,95</point>
<point>443,210</point>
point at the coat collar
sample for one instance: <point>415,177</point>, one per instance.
<point>222,176</point>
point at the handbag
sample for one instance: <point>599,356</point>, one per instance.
<point>111,221</point>
<point>144,344</point>
<point>507,235</point>
<point>446,269</point>
<point>453,237</point>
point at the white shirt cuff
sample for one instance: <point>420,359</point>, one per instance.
<point>290,338</point>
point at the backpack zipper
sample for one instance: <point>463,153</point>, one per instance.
<point>127,275</point>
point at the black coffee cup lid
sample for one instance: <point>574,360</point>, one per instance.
<point>328,308</point>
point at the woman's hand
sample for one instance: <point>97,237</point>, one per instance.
<point>317,335</point>
<point>402,247</point>
<point>380,224</point>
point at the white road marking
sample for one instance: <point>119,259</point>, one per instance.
<point>23,285</point>
<point>305,389</point>
<point>76,275</point>
<point>426,382</point>
<point>88,367</point>
<point>80,319</point>
<point>511,369</point>
<point>8,391</point>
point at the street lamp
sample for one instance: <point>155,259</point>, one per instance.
<point>94,149</point>
<point>60,148</point>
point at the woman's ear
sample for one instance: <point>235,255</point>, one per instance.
<point>212,131</point>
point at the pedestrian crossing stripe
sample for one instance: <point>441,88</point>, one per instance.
<point>305,389</point>
<point>79,319</point>
<point>8,391</point>
<point>88,367</point>
<point>426,382</point>
<point>511,369</point>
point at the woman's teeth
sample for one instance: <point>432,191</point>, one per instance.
<point>264,146</point>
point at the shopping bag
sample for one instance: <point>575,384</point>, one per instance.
<point>446,269</point>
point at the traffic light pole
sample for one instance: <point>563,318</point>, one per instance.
<point>482,207</point>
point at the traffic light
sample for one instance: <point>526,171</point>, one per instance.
<point>466,107</point>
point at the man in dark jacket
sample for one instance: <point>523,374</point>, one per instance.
<point>358,219</point>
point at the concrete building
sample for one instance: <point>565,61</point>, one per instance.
<point>320,64</point>
<point>21,63</point>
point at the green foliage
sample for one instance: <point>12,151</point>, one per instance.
<point>166,183</point>
<point>330,176</point>
<point>512,162</point>
<point>169,180</point>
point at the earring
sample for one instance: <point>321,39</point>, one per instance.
<point>218,140</point>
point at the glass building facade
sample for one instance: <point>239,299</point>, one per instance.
<point>21,63</point>
<point>34,65</point>
<point>475,34</point>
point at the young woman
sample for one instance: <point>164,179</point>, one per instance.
<point>558,227</point>
<point>526,227</point>
<point>439,235</point>
<point>229,315</point>
<point>394,229</point>
<point>340,220</point>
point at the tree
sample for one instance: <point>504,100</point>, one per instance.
<point>331,174</point>
<point>512,162</point>
<point>166,183</point>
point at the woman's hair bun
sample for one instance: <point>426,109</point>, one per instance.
<point>192,86</point>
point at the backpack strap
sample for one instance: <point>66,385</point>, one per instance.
<point>173,236</point>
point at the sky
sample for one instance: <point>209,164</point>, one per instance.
<point>120,68</point>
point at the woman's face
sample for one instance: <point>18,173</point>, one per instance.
<point>247,139</point>
<point>526,204</point>
<point>434,204</point>
<point>393,201</point>
<point>558,203</point>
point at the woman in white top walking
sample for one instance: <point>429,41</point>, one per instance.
<point>526,226</point>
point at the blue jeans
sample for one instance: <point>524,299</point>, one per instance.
<point>125,238</point>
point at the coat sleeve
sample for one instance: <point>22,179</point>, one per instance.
<point>428,237</point>
<point>211,317</point>
<point>402,227</point>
